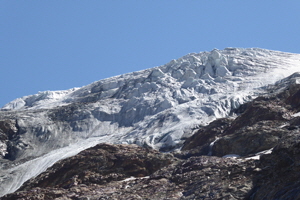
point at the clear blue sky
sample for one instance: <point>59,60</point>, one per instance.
<point>57,45</point>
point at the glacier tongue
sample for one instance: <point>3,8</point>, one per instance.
<point>153,107</point>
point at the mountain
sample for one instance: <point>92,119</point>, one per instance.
<point>254,156</point>
<point>156,108</point>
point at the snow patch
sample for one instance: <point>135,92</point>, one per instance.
<point>296,114</point>
<point>231,156</point>
<point>257,155</point>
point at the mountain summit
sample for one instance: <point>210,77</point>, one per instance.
<point>156,108</point>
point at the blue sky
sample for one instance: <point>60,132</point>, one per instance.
<point>57,45</point>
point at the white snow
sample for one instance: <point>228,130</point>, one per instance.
<point>211,146</point>
<point>296,114</point>
<point>231,156</point>
<point>257,155</point>
<point>12,179</point>
<point>153,107</point>
<point>134,178</point>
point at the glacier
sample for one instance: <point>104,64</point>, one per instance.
<point>156,108</point>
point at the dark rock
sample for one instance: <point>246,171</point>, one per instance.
<point>257,128</point>
<point>8,131</point>
<point>202,177</point>
<point>102,164</point>
<point>199,143</point>
<point>293,95</point>
<point>8,128</point>
<point>250,139</point>
<point>280,175</point>
<point>261,109</point>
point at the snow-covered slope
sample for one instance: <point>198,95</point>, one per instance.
<point>155,107</point>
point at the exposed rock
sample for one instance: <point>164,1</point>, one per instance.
<point>8,130</point>
<point>261,109</point>
<point>102,164</point>
<point>122,172</point>
<point>209,177</point>
<point>260,126</point>
<point>250,139</point>
<point>199,143</point>
<point>280,174</point>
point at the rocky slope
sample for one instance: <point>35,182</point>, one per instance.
<point>252,156</point>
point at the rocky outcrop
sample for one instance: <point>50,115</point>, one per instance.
<point>201,142</point>
<point>102,164</point>
<point>263,123</point>
<point>8,131</point>
<point>279,177</point>
<point>250,139</point>
<point>258,128</point>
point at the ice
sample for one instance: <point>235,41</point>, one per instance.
<point>44,99</point>
<point>156,74</point>
<point>12,179</point>
<point>211,146</point>
<point>222,71</point>
<point>15,104</point>
<point>189,73</point>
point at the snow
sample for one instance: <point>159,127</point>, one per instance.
<point>296,114</point>
<point>254,157</point>
<point>12,179</point>
<point>215,81</point>
<point>132,178</point>
<point>153,107</point>
<point>257,155</point>
<point>40,100</point>
<point>231,156</point>
<point>211,146</point>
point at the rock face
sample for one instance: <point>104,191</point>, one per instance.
<point>201,142</point>
<point>102,164</point>
<point>279,177</point>
<point>263,123</point>
<point>255,156</point>
<point>8,132</point>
